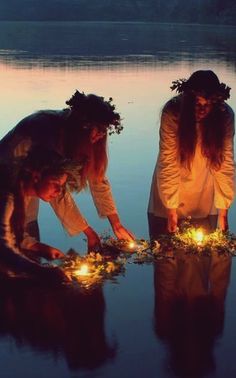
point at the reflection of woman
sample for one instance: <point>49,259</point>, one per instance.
<point>80,133</point>
<point>62,322</point>
<point>43,174</point>
<point>189,309</point>
<point>194,174</point>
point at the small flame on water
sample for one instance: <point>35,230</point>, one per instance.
<point>83,271</point>
<point>131,245</point>
<point>198,236</point>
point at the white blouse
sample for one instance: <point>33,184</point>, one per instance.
<point>200,191</point>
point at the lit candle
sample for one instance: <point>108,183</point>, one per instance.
<point>131,245</point>
<point>83,271</point>
<point>198,236</point>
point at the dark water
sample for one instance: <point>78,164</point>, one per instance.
<point>175,319</point>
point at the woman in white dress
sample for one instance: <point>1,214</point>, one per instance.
<point>194,173</point>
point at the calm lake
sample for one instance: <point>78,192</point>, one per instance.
<point>136,327</point>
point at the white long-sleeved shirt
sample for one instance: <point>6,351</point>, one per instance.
<point>44,128</point>
<point>197,192</point>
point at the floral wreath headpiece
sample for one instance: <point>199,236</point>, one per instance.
<point>220,94</point>
<point>95,111</point>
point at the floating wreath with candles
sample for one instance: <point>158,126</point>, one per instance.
<point>190,239</point>
<point>197,241</point>
<point>93,268</point>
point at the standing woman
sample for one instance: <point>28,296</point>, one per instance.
<point>80,133</point>
<point>194,173</point>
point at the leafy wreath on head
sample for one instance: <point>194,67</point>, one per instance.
<point>94,110</point>
<point>220,95</point>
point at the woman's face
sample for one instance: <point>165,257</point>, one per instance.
<point>97,134</point>
<point>203,107</point>
<point>50,187</point>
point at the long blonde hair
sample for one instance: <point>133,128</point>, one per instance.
<point>87,112</point>
<point>93,156</point>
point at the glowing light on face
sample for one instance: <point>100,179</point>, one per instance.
<point>83,271</point>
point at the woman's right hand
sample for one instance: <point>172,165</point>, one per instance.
<point>93,240</point>
<point>172,220</point>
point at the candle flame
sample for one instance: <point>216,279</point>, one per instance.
<point>198,236</point>
<point>131,245</point>
<point>83,271</point>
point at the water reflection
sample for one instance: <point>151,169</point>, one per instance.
<point>63,322</point>
<point>190,293</point>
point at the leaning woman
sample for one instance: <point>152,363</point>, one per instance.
<point>43,175</point>
<point>78,132</point>
<point>194,173</point>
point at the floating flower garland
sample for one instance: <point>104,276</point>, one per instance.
<point>188,238</point>
<point>91,269</point>
<point>217,241</point>
<point>194,240</point>
<point>94,268</point>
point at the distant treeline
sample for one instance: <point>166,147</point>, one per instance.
<point>186,11</point>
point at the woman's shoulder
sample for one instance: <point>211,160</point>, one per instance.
<point>44,116</point>
<point>227,115</point>
<point>227,110</point>
<point>37,125</point>
<point>173,105</point>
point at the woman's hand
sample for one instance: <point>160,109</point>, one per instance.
<point>223,220</point>
<point>119,230</point>
<point>46,251</point>
<point>93,240</point>
<point>122,233</point>
<point>172,220</point>
<point>54,254</point>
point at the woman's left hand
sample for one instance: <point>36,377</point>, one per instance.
<point>119,230</point>
<point>122,233</point>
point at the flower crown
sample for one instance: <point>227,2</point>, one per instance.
<point>94,111</point>
<point>220,94</point>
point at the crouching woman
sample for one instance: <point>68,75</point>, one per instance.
<point>43,174</point>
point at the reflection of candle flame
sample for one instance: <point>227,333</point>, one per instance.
<point>83,271</point>
<point>198,236</point>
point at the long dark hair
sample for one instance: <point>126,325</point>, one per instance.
<point>213,133</point>
<point>204,83</point>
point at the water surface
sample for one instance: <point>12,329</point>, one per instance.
<point>139,326</point>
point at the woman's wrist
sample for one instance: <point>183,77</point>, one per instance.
<point>171,212</point>
<point>88,231</point>
<point>223,212</point>
<point>114,221</point>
